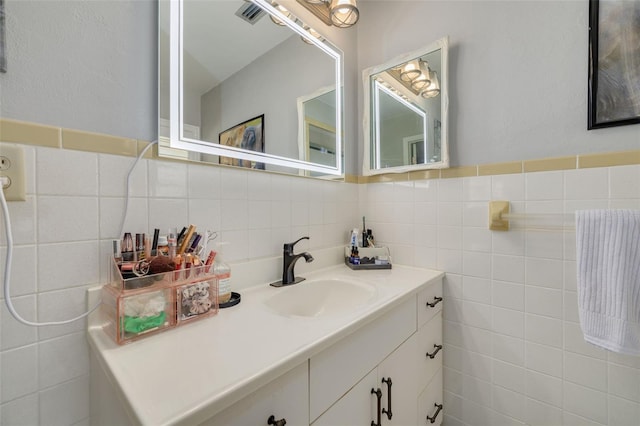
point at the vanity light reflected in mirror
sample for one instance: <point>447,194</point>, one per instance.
<point>339,13</point>
<point>406,109</point>
<point>282,10</point>
<point>222,64</point>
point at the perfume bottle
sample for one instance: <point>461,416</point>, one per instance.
<point>222,272</point>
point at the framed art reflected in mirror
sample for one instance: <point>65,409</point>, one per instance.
<point>247,135</point>
<point>614,63</point>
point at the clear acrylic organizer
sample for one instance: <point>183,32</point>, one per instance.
<point>139,307</point>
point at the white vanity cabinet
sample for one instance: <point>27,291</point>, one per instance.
<point>318,371</point>
<point>430,347</point>
<point>285,399</point>
<point>347,379</point>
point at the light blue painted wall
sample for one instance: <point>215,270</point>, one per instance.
<point>518,74</point>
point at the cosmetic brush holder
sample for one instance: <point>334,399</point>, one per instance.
<point>139,307</point>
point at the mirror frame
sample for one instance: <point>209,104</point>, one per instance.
<point>176,127</point>
<point>368,113</point>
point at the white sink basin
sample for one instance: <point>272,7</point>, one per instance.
<point>319,298</point>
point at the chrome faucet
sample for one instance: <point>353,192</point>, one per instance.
<point>288,262</point>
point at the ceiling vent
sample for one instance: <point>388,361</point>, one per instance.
<point>250,12</point>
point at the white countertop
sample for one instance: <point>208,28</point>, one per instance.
<point>190,373</point>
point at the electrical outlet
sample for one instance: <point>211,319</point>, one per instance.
<point>12,166</point>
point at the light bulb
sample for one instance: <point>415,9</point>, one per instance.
<point>433,89</point>
<point>284,11</point>
<point>410,71</point>
<point>344,13</point>
<point>313,33</point>
<point>420,82</point>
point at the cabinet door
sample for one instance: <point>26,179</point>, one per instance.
<point>333,371</point>
<point>430,350</point>
<point>401,368</point>
<point>356,407</point>
<point>430,409</point>
<point>287,397</point>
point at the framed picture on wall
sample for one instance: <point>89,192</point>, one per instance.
<point>247,135</point>
<point>614,63</point>
<point>3,58</point>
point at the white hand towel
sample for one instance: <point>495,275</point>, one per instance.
<point>608,266</point>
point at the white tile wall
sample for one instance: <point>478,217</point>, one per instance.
<point>62,239</point>
<point>514,351</point>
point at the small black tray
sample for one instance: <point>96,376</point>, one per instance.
<point>235,299</point>
<point>365,266</point>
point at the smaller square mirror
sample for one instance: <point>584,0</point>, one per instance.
<point>406,105</point>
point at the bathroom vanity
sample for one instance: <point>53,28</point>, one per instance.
<point>343,347</point>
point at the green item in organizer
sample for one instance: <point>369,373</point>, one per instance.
<point>140,324</point>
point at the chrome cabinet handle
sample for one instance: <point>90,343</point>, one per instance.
<point>436,300</point>
<point>435,415</point>
<point>378,394</point>
<point>433,354</point>
<point>389,383</point>
<point>272,421</point>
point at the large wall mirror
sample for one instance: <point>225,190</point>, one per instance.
<point>248,84</point>
<point>406,106</point>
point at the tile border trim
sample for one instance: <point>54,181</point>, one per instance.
<point>22,132</point>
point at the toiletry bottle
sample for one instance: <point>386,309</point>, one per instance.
<point>172,242</point>
<point>138,253</point>
<point>222,272</point>
<point>154,244</point>
<point>163,246</point>
<point>356,256</point>
<point>354,237</point>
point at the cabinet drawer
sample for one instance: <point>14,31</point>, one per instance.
<point>430,402</point>
<point>429,302</point>
<point>430,350</point>
<point>284,398</point>
<point>334,371</point>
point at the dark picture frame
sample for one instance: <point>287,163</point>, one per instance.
<point>246,135</point>
<point>614,63</point>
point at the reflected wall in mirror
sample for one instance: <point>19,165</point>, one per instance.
<point>406,106</point>
<point>317,128</point>
<point>224,62</point>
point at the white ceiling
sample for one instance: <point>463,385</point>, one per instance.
<point>220,43</point>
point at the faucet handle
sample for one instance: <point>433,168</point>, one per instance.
<point>289,246</point>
